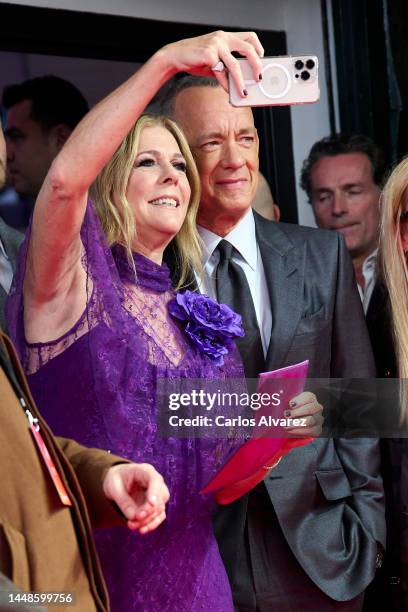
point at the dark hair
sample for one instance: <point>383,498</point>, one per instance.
<point>341,144</point>
<point>53,100</point>
<point>168,93</point>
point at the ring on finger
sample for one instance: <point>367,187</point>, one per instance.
<point>219,67</point>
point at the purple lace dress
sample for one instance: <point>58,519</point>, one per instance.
<point>96,384</point>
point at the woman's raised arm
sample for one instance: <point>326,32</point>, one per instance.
<point>55,278</point>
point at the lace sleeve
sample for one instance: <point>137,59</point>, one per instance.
<point>105,298</point>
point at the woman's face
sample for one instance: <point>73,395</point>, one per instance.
<point>158,189</point>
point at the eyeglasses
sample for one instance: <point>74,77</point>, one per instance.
<point>404,216</point>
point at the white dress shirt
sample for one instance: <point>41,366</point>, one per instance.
<point>6,271</point>
<point>248,257</point>
<point>370,276</point>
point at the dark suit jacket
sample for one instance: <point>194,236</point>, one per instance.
<point>11,240</point>
<point>378,319</point>
<point>390,587</point>
<point>328,496</point>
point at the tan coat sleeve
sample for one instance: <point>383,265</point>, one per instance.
<point>90,466</point>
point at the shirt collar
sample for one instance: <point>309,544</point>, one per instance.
<point>2,249</point>
<point>242,237</point>
<point>370,261</point>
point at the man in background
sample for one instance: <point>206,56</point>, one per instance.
<point>342,177</point>
<point>41,114</point>
<point>10,241</point>
<point>263,202</point>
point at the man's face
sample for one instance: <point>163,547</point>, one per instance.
<point>30,150</point>
<point>345,198</point>
<point>224,142</point>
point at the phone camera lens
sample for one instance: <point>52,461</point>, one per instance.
<point>305,75</point>
<point>310,64</point>
<point>299,64</point>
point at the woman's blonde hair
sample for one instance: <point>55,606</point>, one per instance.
<point>395,270</point>
<point>115,212</point>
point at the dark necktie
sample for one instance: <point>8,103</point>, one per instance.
<point>233,289</point>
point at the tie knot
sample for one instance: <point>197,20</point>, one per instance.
<point>225,250</point>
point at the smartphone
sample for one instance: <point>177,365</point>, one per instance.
<point>285,80</point>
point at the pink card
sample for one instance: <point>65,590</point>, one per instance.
<point>284,383</point>
<point>250,464</point>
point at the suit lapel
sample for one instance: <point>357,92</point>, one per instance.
<point>284,272</point>
<point>378,303</point>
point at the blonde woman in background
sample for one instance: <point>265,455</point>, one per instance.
<point>393,258</point>
<point>394,249</point>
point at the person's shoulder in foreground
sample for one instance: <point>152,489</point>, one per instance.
<point>41,538</point>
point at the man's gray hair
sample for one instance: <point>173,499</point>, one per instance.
<point>170,91</point>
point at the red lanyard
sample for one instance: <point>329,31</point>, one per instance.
<point>35,430</point>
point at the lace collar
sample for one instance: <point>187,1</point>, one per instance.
<point>148,273</point>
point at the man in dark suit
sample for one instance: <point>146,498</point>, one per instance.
<point>342,177</point>
<point>306,538</point>
<point>10,240</point>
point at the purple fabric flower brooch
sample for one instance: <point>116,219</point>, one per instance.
<point>211,326</point>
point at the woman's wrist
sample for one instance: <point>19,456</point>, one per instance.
<point>161,63</point>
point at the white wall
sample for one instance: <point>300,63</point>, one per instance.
<point>300,19</point>
<point>222,12</point>
<point>309,122</point>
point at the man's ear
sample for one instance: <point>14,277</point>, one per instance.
<point>60,134</point>
<point>257,140</point>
